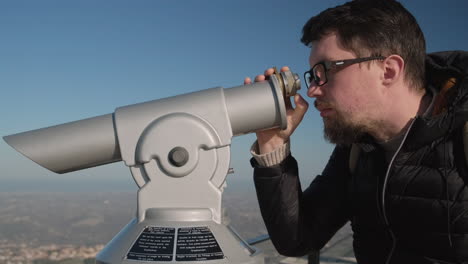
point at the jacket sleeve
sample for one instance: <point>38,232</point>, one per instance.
<point>297,221</point>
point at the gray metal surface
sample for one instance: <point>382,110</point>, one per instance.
<point>72,146</point>
<point>255,107</point>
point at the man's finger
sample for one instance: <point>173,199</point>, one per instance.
<point>247,80</point>
<point>269,71</point>
<point>260,78</point>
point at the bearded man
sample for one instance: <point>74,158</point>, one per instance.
<point>402,113</point>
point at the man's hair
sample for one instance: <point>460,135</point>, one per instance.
<point>374,28</point>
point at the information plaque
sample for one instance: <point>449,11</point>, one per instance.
<point>154,244</point>
<point>192,244</point>
<point>197,244</point>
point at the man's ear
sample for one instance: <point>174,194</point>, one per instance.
<point>393,69</point>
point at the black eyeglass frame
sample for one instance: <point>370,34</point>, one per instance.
<point>328,65</point>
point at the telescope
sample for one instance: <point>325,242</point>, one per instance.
<point>178,152</point>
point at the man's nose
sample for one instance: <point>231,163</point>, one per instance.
<point>314,90</point>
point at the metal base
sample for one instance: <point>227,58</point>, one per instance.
<point>183,236</point>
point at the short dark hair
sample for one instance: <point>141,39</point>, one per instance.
<point>375,27</point>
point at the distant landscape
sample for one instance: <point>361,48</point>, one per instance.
<point>70,228</point>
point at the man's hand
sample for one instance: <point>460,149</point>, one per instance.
<point>270,139</point>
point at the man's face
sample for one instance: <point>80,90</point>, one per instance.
<point>350,101</point>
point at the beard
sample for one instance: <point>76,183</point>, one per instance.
<point>341,130</point>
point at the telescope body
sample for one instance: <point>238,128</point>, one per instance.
<point>178,151</point>
<point>95,141</point>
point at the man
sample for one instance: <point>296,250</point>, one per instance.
<point>402,113</point>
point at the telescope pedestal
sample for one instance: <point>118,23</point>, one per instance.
<point>178,235</point>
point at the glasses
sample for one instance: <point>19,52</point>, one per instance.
<point>318,73</point>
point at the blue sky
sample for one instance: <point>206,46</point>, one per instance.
<point>62,61</point>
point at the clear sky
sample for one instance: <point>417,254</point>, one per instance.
<point>62,61</point>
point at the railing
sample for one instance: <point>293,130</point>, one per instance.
<point>314,256</point>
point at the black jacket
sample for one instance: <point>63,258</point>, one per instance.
<point>414,210</point>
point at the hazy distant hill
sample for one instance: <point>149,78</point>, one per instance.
<point>64,218</point>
